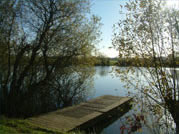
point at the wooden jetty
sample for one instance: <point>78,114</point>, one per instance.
<point>80,116</point>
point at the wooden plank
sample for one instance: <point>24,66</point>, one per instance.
<point>82,115</point>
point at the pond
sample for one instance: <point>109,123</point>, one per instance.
<point>104,81</point>
<point>107,83</point>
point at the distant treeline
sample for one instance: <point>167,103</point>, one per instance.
<point>148,62</point>
<point>105,61</point>
<point>143,62</point>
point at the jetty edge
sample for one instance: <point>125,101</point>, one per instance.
<point>81,116</point>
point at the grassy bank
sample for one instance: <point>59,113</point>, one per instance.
<point>19,126</point>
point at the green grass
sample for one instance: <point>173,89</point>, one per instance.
<point>19,126</point>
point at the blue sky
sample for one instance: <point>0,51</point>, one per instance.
<point>108,10</point>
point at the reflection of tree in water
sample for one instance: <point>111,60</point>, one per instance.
<point>103,71</point>
<point>109,119</point>
<point>67,87</point>
<point>175,74</point>
<point>72,86</point>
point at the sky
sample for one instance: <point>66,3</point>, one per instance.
<point>108,10</point>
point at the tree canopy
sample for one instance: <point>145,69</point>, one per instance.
<point>38,38</point>
<point>149,35</point>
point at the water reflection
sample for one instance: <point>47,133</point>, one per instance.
<point>108,84</point>
<point>71,86</point>
<point>175,75</point>
<point>103,70</point>
<point>112,85</point>
<point>66,87</point>
<point>109,119</point>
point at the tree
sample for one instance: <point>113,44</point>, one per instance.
<point>102,59</point>
<point>148,33</point>
<point>39,38</point>
<point>72,85</point>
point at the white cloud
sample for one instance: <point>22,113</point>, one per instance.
<point>172,3</point>
<point>109,52</point>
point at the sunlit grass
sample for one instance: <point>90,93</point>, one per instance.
<point>16,126</point>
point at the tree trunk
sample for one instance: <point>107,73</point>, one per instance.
<point>173,108</point>
<point>175,115</point>
<point>177,127</point>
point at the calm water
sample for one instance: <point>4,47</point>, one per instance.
<point>106,83</point>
